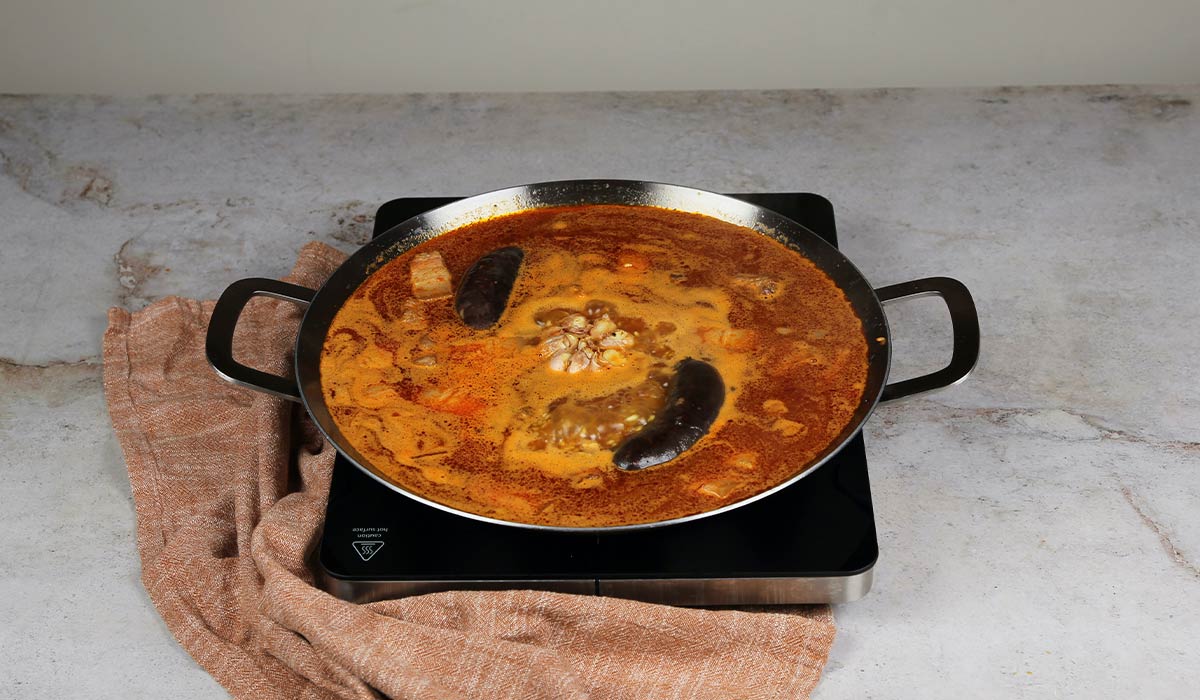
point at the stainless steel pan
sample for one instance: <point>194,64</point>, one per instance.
<point>305,383</point>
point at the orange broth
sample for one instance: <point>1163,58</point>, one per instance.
<point>484,422</point>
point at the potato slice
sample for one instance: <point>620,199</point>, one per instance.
<point>720,488</point>
<point>430,278</point>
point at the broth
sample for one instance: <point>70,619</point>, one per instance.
<point>519,421</point>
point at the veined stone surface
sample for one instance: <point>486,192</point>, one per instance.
<point>1037,523</point>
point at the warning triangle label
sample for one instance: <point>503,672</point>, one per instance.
<point>367,549</point>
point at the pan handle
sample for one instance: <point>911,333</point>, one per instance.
<point>963,320</point>
<point>219,341</point>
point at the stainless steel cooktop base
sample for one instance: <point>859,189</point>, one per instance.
<point>692,592</point>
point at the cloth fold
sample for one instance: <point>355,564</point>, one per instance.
<point>230,489</point>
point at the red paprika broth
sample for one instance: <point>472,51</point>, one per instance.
<point>519,421</point>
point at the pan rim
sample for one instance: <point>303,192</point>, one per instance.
<point>428,225</point>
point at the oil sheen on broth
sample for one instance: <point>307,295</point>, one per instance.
<point>519,421</point>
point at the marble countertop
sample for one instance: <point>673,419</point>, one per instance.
<point>1038,524</point>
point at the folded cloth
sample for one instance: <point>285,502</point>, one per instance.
<point>230,488</point>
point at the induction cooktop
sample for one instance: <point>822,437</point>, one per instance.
<point>812,542</point>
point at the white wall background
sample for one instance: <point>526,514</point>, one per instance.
<point>154,46</point>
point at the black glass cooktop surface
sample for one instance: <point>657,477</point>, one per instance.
<point>812,542</point>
